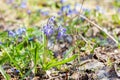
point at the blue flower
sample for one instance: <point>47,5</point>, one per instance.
<point>43,12</point>
<point>118,10</point>
<point>20,31</point>
<point>51,20</point>
<point>15,70</point>
<point>11,34</point>
<point>0,43</point>
<point>62,1</point>
<point>31,39</point>
<point>48,30</point>
<point>60,13</point>
<point>70,12</point>
<point>78,7</point>
<point>65,8</point>
<point>28,12</point>
<point>23,4</point>
<point>100,9</point>
<point>61,32</point>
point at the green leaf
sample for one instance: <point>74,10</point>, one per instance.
<point>60,62</point>
<point>116,18</point>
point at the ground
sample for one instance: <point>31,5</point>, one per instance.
<point>93,35</point>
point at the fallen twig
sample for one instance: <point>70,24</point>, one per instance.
<point>99,28</point>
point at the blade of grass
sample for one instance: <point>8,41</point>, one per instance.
<point>14,62</point>
<point>27,74</point>
<point>68,52</point>
<point>4,73</point>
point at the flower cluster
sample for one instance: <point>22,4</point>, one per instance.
<point>62,1</point>
<point>18,32</point>
<point>23,4</point>
<point>9,1</point>
<point>50,29</point>
<point>43,12</point>
<point>61,32</point>
<point>67,10</point>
